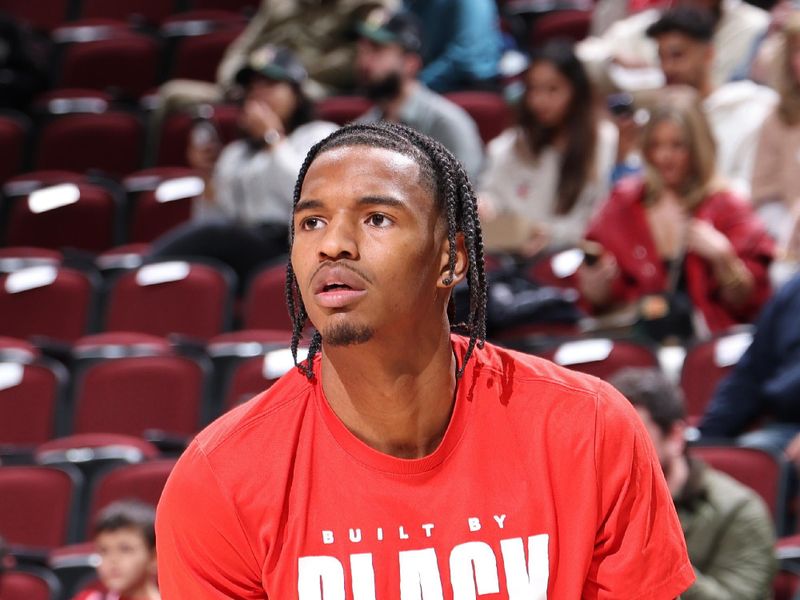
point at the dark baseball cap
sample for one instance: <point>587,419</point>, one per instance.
<point>274,62</point>
<point>383,27</point>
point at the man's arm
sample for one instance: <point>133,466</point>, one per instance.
<point>744,564</point>
<point>203,551</point>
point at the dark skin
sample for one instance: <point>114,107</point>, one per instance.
<point>365,216</point>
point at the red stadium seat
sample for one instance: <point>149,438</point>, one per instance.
<point>30,393</point>
<point>106,447</point>
<point>264,304</point>
<point>17,350</point>
<point>82,216</point>
<point>757,469</point>
<point>41,15</point>
<point>197,57</point>
<point>38,506</point>
<point>572,25</point>
<point>143,482</point>
<point>121,62</point>
<point>172,297</point>
<point>601,357</point>
<point>25,183</point>
<point>64,101</point>
<point>29,583</point>
<point>254,375</point>
<point>174,136</point>
<point>161,199</point>
<point>14,258</point>
<point>489,110</point>
<point>134,395</point>
<point>110,142</point>
<point>342,109</point>
<point>14,129</point>
<point>706,364</point>
<point>28,301</point>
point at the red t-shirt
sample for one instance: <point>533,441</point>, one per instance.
<point>545,485</point>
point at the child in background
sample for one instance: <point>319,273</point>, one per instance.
<point>124,535</point>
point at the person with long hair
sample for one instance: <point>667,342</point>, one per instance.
<point>678,231</point>
<point>776,188</point>
<point>555,163</point>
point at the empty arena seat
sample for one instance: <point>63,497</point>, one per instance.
<point>489,110</point>
<point>27,582</point>
<point>193,299</point>
<point>14,258</point>
<point>175,131</point>
<point>29,297</point>
<point>573,25</point>
<point>110,142</point>
<point>38,505</point>
<point>235,5</point>
<point>41,15</point>
<point>67,215</point>
<point>149,12</point>
<point>197,57</point>
<point>342,109</point>
<point>264,305</point>
<point>14,131</point>
<point>601,357</point>
<point>160,199</point>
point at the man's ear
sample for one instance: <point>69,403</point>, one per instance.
<point>448,279</point>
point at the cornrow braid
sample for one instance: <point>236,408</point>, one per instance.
<point>455,197</point>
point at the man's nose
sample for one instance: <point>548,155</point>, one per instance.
<point>340,240</point>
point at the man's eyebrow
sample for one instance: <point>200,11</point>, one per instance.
<point>313,204</point>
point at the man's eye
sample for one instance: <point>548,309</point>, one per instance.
<point>379,220</point>
<point>311,223</point>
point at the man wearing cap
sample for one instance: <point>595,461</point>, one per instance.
<point>387,65</point>
<point>242,218</point>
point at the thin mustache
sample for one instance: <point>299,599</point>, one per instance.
<point>348,266</point>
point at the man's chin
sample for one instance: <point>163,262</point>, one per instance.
<point>346,334</point>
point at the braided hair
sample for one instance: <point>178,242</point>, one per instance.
<point>454,195</point>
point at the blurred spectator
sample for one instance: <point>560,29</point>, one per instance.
<point>763,390</point>
<point>734,110</point>
<point>728,528</point>
<point>22,73</point>
<point>388,63</point>
<point>776,188</point>
<point>678,233</point>
<point>737,27</point>
<point>125,539</point>
<point>461,43</point>
<point>243,217</point>
<point>554,165</point>
<point>320,32</point>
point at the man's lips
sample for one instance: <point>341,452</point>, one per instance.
<point>337,286</point>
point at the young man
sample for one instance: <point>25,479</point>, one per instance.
<point>400,460</point>
<point>124,535</point>
<point>388,63</point>
<point>729,531</point>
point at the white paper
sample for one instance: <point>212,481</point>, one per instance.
<point>10,375</point>
<point>279,362</point>
<point>583,351</point>
<point>165,272</point>
<point>30,278</point>
<point>729,349</point>
<point>53,197</point>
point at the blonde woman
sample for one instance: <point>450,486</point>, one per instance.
<point>679,229</point>
<point>776,186</point>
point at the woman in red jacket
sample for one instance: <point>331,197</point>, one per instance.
<point>678,231</point>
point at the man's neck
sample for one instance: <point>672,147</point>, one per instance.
<point>392,107</point>
<point>396,397</point>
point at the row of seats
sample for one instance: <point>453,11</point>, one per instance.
<point>78,126</point>
<point>47,15</point>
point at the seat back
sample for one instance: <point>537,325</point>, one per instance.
<point>82,216</point>
<point>30,394</point>
<point>489,110</point>
<point>264,304</point>
<point>144,482</point>
<point>29,583</point>
<point>160,199</point>
<point>42,15</point>
<point>172,297</point>
<point>177,127</point>
<point>601,357</point>
<point>38,505</point>
<point>111,142</point>
<point>342,109</point>
<point>706,364</point>
<point>14,130</point>
<point>151,12</point>
<point>758,469</point>
<point>197,57</point>
<point>28,298</point>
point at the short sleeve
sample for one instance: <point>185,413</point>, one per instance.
<point>203,551</point>
<point>639,548</point>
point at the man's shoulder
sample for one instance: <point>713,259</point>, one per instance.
<point>268,411</point>
<point>427,103</point>
<point>729,495</point>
